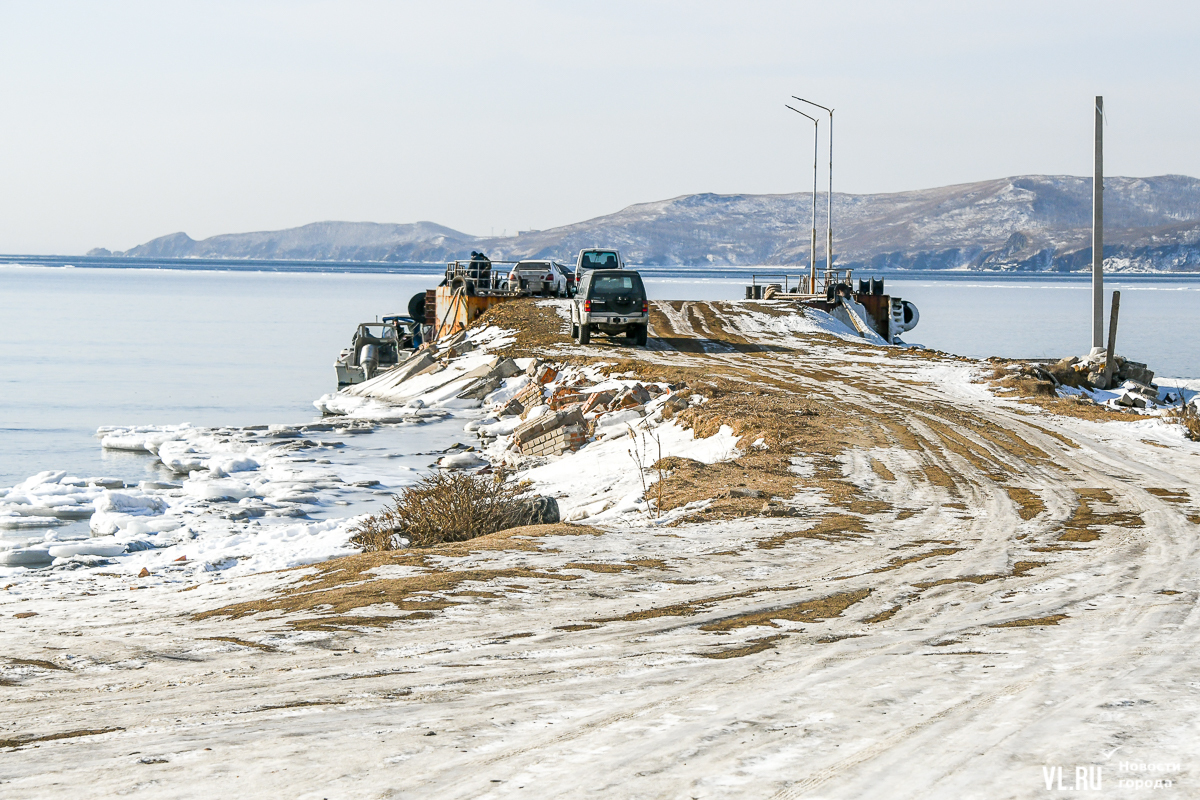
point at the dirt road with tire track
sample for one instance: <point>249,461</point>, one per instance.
<point>956,592</point>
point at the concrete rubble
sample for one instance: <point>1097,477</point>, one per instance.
<point>563,414</point>
<point>539,409</point>
<point>1131,384</point>
<point>1092,367</point>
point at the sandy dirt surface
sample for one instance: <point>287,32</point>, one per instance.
<point>901,585</point>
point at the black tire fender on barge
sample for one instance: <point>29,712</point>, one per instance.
<point>416,307</point>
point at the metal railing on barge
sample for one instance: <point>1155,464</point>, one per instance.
<point>797,285</point>
<point>480,278</point>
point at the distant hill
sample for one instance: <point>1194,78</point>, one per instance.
<point>318,241</point>
<point>1027,223</point>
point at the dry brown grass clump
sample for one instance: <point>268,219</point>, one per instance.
<point>1067,375</point>
<point>443,507</point>
<point>1187,416</point>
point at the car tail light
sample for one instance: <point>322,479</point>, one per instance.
<point>587,305</point>
<point>549,277</point>
<point>645,307</point>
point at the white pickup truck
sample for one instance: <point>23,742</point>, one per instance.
<point>597,258</point>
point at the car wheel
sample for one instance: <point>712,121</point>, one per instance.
<point>574,332</point>
<point>642,334</point>
<point>585,334</point>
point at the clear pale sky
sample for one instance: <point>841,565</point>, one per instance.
<point>123,121</point>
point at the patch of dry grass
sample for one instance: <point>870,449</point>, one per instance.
<point>33,662</point>
<point>593,567</point>
<point>748,649</point>
<point>18,741</point>
<point>688,608</point>
<point>897,563</point>
<point>882,616</point>
<point>240,642</point>
<point>880,469</point>
<point>1053,619</point>
<point>294,704</point>
<point>534,327</point>
<point>1180,496</point>
<point>831,528</point>
<point>1018,570</point>
<point>1029,505</point>
<point>1188,416</point>
<point>1080,408</point>
<point>341,585</point>
<point>1084,523</point>
<point>806,611</point>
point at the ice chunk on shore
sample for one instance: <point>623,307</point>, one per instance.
<point>34,556</point>
<point>124,503</point>
<point>461,461</point>
<point>117,511</point>
<point>17,521</point>
<point>104,546</point>
<point>139,439</point>
<point>221,489</point>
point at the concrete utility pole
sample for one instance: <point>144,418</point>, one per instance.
<point>829,229</point>
<point>812,252</point>
<point>1098,231</point>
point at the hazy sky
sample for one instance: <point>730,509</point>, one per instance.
<point>124,121</point>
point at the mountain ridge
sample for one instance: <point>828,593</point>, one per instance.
<point>1019,223</point>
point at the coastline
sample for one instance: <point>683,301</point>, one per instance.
<point>864,549</point>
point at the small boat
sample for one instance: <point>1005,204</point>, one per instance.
<point>375,348</point>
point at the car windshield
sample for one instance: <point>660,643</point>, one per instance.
<point>612,285</point>
<point>379,331</point>
<point>598,259</point>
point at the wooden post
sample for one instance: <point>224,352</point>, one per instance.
<point>1110,359</point>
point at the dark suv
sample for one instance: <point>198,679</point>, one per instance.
<point>611,301</point>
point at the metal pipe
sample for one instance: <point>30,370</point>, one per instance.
<point>829,229</point>
<point>812,251</point>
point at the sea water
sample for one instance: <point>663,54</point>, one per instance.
<point>85,347</point>
<point>81,348</point>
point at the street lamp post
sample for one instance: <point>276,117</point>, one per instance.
<point>829,241</point>
<point>812,252</point>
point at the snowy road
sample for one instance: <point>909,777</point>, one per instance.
<point>965,595</point>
